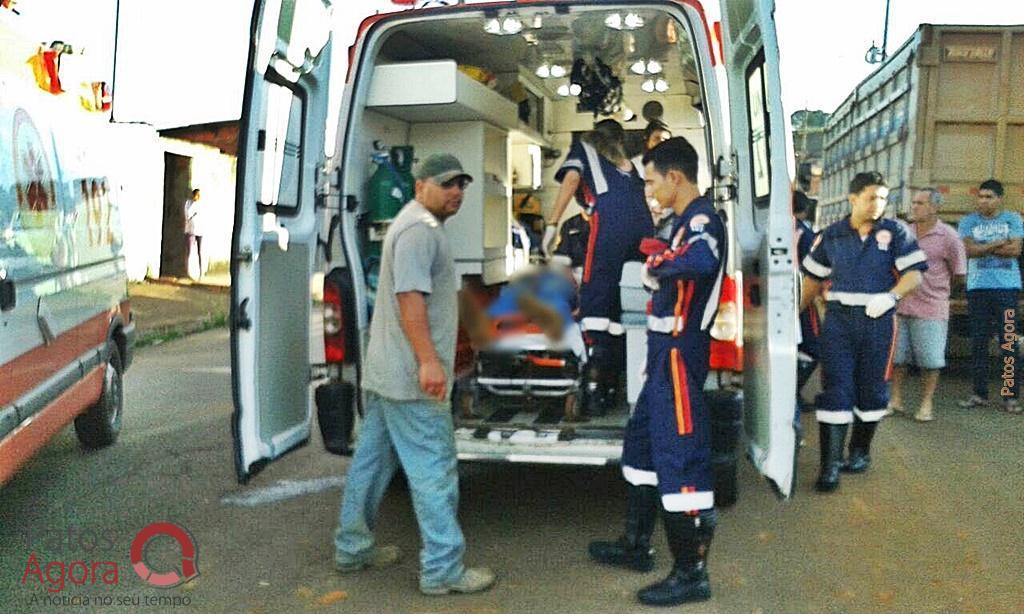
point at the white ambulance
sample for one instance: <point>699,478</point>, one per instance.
<point>494,83</point>
<point>66,329</point>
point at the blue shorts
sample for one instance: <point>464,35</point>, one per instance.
<point>921,342</point>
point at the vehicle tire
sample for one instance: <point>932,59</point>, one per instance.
<point>101,424</point>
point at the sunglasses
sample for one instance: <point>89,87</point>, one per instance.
<point>459,182</point>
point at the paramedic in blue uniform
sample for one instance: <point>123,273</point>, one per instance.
<point>810,326</point>
<point>666,455</point>
<point>605,182</point>
<point>871,263</point>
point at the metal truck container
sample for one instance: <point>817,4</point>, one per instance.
<point>946,110</point>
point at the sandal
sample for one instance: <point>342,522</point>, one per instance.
<point>924,417</point>
<point>895,410</point>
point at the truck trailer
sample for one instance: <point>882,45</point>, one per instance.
<point>945,110</point>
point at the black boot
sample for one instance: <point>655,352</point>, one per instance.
<point>632,550</point>
<point>833,436</point>
<point>860,447</point>
<point>689,538</point>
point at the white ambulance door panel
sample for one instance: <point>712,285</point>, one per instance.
<point>764,235</point>
<point>280,154</point>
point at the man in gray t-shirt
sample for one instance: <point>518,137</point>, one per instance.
<point>407,377</point>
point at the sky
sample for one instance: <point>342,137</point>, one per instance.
<point>183,62</point>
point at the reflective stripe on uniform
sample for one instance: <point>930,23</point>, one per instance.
<point>834,417</point>
<point>874,415</point>
<point>688,501</point>
<point>711,241</point>
<point>602,325</point>
<point>850,299</point>
<point>910,260</point>
<point>815,267</point>
<point>639,477</point>
<point>665,325</point>
<point>681,394</point>
<point>594,162</point>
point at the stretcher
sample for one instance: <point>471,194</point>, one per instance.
<point>524,362</point>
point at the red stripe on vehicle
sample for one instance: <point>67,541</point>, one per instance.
<point>27,438</point>
<point>24,373</point>
<point>892,348</point>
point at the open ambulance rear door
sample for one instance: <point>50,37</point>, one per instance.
<point>765,235</point>
<point>281,153</point>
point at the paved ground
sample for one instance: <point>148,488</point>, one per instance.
<point>936,526</point>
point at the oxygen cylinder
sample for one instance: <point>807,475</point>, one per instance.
<point>391,186</point>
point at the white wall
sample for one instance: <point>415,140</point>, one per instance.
<point>136,173</point>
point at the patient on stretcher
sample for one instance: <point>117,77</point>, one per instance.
<point>534,311</point>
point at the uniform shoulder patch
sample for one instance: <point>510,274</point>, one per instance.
<point>698,222</point>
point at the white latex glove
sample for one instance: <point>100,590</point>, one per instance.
<point>547,244</point>
<point>878,304</point>
<point>649,281</point>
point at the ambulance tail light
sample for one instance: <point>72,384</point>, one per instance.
<point>727,331</point>
<point>341,340</point>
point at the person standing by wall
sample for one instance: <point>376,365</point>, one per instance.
<point>872,263</point>
<point>923,317</point>
<point>597,168</point>
<point>407,378</point>
<point>992,237</point>
<point>666,453</point>
<point>194,234</point>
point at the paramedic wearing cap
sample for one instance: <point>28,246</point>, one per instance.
<point>871,262</point>
<point>666,456</point>
<point>407,377</point>
<point>597,168</point>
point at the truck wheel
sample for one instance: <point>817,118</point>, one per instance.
<point>101,424</point>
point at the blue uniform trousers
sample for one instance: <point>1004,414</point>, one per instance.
<point>668,439</point>
<point>856,361</point>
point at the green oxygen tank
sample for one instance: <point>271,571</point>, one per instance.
<point>391,186</point>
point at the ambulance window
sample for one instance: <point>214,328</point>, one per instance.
<point>281,151</point>
<point>757,109</point>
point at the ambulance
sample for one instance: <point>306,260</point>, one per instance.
<point>66,327</point>
<point>506,86</point>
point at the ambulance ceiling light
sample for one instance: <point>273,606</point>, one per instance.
<point>646,67</point>
<point>631,21</point>
<point>648,86</point>
<point>506,25</point>
<point>547,70</point>
<point>661,85</point>
<point>563,90</point>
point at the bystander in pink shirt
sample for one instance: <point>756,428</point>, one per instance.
<point>946,257</point>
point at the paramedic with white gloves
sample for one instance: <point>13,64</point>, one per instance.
<point>607,183</point>
<point>871,262</point>
<point>666,455</point>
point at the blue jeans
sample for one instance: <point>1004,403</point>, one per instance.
<point>420,436</point>
<point>993,313</point>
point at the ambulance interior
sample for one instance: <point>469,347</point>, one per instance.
<point>502,91</point>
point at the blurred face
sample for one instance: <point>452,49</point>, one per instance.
<point>869,203</point>
<point>662,188</point>
<point>921,207</point>
<point>988,202</point>
<point>443,200</point>
<point>656,137</point>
